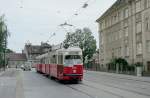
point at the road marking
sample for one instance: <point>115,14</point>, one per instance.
<point>19,86</point>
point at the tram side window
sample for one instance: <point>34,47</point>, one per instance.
<point>46,61</point>
<point>60,59</point>
<point>42,61</point>
<point>49,60</point>
<point>53,59</point>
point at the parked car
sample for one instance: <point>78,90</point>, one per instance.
<point>26,67</point>
<point>22,66</point>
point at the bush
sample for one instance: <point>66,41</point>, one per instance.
<point>131,67</point>
<point>138,64</point>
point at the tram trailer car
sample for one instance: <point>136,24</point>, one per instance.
<point>47,69</point>
<point>63,64</point>
<point>38,68</point>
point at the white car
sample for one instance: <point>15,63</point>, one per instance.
<point>26,67</point>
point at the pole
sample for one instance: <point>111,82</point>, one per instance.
<point>4,54</point>
<point>5,49</point>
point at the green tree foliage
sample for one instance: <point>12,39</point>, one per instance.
<point>3,38</point>
<point>123,64</point>
<point>9,51</point>
<point>84,39</point>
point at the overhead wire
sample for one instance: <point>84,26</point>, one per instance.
<point>75,14</point>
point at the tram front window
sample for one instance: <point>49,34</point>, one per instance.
<point>71,60</point>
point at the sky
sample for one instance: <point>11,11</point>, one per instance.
<point>35,21</point>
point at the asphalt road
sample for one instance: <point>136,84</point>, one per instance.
<point>95,85</point>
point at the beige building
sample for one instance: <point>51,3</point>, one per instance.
<point>32,51</point>
<point>124,31</point>
<point>15,60</point>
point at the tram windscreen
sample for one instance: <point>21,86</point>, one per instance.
<point>71,60</point>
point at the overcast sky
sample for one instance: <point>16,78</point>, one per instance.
<point>36,20</point>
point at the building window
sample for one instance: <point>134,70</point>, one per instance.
<point>126,23</point>
<point>148,46</point>
<point>138,6</point>
<point>126,50</point>
<point>126,41</point>
<point>115,18</point>
<point>126,13</point>
<point>120,34</point>
<point>119,52</point>
<point>147,3</point>
<point>109,21</point>
<point>147,24</point>
<point>119,15</point>
<point>108,38</point>
<point>113,55</point>
<point>126,30</point>
<point>139,48</point>
<point>102,25</point>
<point>116,35</point>
<point>138,27</point>
<point>102,39</point>
<point>139,37</point>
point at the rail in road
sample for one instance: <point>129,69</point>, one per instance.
<point>106,90</point>
<point>123,84</point>
<point>95,88</point>
<point>95,85</point>
<point>121,76</point>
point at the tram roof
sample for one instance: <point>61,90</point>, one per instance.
<point>42,56</point>
<point>70,49</point>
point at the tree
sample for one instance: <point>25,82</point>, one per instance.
<point>84,39</point>
<point>119,63</point>
<point>3,39</point>
<point>9,51</point>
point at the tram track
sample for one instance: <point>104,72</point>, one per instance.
<point>142,86</point>
<point>124,78</point>
<point>77,90</point>
<point>120,88</point>
<point>104,91</point>
<point>122,81</point>
<point>94,88</point>
<point>82,85</point>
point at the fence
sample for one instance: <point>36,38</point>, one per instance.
<point>130,70</point>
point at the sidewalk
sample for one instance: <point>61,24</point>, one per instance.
<point>10,84</point>
<point>2,71</point>
<point>122,76</point>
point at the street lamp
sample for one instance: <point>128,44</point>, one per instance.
<point>66,24</point>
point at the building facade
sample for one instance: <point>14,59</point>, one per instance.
<point>32,51</point>
<point>124,31</point>
<point>15,60</point>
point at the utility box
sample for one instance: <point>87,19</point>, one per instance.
<point>139,71</point>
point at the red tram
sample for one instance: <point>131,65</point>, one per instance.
<point>62,64</point>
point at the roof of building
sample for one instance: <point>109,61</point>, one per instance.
<point>33,49</point>
<point>16,56</point>
<point>37,49</point>
<point>115,6</point>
